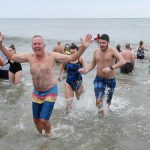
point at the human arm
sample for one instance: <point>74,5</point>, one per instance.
<point>119,63</point>
<point>121,60</point>
<point>68,58</point>
<point>62,66</point>
<point>15,57</point>
<point>88,67</point>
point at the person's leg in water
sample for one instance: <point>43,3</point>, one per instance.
<point>111,84</point>
<point>42,107</point>
<point>99,105</point>
<point>45,114</point>
<point>79,91</point>
<point>41,115</point>
<point>18,77</point>
<point>99,89</point>
<point>11,77</point>
<point>69,95</point>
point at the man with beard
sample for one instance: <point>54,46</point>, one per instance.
<point>104,60</point>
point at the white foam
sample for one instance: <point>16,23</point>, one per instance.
<point>20,126</point>
<point>118,103</point>
<point>138,110</point>
<point>147,82</point>
<point>28,83</point>
<point>64,130</point>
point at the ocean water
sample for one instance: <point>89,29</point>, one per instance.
<point>126,125</point>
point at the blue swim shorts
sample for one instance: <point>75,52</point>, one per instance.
<point>43,103</point>
<point>100,85</point>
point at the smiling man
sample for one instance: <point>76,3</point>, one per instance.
<point>104,60</point>
<point>42,71</point>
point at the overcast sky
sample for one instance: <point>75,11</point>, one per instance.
<point>74,8</point>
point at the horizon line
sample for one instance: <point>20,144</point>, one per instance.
<point>74,18</point>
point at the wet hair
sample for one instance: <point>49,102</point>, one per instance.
<point>141,43</point>
<point>118,47</point>
<point>127,46</point>
<point>73,46</point>
<point>67,47</point>
<point>12,46</point>
<point>104,37</point>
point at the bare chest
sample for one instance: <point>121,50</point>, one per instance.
<point>104,57</point>
<point>41,66</point>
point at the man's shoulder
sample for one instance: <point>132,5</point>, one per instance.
<point>112,49</point>
<point>51,53</point>
<point>96,50</point>
<point>29,55</point>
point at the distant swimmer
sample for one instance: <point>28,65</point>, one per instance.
<point>118,47</point>
<point>74,78</point>
<point>15,70</point>
<point>140,51</point>
<point>58,48</point>
<point>104,58</point>
<point>129,56</point>
<point>42,65</point>
<point>67,49</point>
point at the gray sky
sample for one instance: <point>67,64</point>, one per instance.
<point>74,9</point>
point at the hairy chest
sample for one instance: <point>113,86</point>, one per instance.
<point>41,67</point>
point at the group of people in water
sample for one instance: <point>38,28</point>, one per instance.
<point>105,60</point>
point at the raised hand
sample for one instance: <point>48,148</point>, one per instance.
<point>87,40</point>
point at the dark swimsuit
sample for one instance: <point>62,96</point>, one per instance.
<point>14,67</point>
<point>74,78</point>
<point>140,54</point>
<point>128,67</point>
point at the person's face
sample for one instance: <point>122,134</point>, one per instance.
<point>38,45</point>
<point>12,51</point>
<point>73,50</point>
<point>103,44</point>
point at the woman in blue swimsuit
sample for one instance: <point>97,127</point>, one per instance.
<point>73,84</point>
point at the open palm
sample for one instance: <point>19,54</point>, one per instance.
<point>87,40</point>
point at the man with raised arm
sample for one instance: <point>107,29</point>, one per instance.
<point>104,60</point>
<point>42,71</point>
